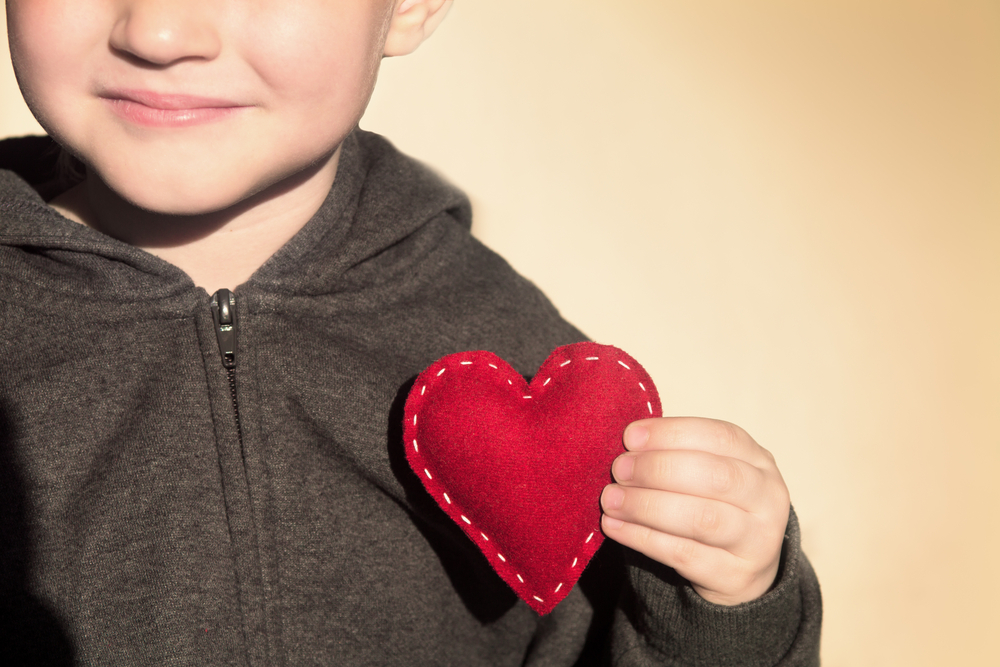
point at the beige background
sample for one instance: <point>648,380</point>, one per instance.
<point>790,213</point>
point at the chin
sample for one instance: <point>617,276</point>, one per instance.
<point>187,195</point>
<point>187,202</point>
<point>197,186</point>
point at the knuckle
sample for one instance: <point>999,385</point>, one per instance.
<point>784,499</point>
<point>684,553</point>
<point>641,538</point>
<point>707,522</point>
<point>727,478</point>
<point>644,506</point>
<point>769,457</point>
<point>777,499</point>
<point>657,466</point>
<point>730,435</point>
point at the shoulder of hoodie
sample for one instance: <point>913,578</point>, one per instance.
<point>470,277</point>
<point>394,181</point>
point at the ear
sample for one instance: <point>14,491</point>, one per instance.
<point>412,22</point>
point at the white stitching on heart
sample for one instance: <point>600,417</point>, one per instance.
<point>466,519</point>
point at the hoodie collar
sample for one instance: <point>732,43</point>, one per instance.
<point>379,199</point>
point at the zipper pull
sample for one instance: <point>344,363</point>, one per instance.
<point>224,314</point>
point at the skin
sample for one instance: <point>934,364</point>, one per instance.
<point>300,74</point>
<point>694,494</point>
<point>700,496</point>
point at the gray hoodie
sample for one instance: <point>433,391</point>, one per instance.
<point>159,508</point>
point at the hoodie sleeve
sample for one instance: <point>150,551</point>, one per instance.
<point>660,620</point>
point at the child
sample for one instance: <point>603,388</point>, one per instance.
<point>196,479</point>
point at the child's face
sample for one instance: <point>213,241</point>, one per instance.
<point>189,106</point>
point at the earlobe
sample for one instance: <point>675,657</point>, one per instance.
<point>412,22</point>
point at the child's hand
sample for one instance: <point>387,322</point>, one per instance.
<point>702,497</point>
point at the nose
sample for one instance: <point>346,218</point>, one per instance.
<point>162,32</point>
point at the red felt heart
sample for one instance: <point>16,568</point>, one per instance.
<point>520,467</point>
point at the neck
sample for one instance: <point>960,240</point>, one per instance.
<point>246,234</point>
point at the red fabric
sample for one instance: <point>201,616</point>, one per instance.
<point>520,468</point>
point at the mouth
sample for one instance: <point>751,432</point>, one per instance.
<point>152,109</point>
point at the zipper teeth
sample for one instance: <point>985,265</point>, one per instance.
<point>231,373</point>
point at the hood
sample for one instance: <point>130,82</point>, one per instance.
<point>379,202</point>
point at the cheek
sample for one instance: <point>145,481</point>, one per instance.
<point>319,58</point>
<point>51,42</point>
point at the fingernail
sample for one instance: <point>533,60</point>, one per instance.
<point>622,468</point>
<point>613,497</point>
<point>636,436</point>
<point>612,523</point>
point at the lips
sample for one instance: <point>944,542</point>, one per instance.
<point>152,109</point>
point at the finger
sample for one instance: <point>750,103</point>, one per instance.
<point>709,522</point>
<point>695,473</point>
<point>695,433</point>
<point>717,575</point>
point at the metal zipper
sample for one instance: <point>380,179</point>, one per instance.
<point>224,315</point>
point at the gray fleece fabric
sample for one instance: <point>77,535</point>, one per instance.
<point>141,525</point>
